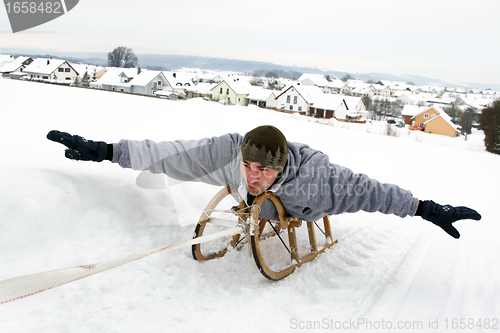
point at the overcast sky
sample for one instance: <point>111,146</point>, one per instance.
<point>455,41</point>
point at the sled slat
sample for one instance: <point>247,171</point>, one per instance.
<point>312,237</point>
<point>292,239</point>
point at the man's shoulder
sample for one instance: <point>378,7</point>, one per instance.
<point>303,153</point>
<point>231,137</point>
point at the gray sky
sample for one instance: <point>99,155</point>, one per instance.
<point>455,41</point>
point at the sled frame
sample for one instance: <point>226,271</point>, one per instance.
<point>254,226</point>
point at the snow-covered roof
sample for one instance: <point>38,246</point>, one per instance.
<point>439,100</point>
<point>309,93</point>
<point>476,101</point>
<point>114,76</point>
<point>327,101</point>
<point>379,87</point>
<point>176,79</point>
<point>316,79</point>
<point>145,77</point>
<point>44,66</point>
<point>10,67</point>
<point>4,58</point>
<point>430,89</point>
<point>355,83</point>
<point>82,68</point>
<point>385,82</point>
<point>259,94</point>
<point>362,90</point>
<point>238,86</point>
<point>336,83</point>
<point>200,74</point>
<point>201,88</point>
<point>354,103</point>
<point>13,65</point>
<point>412,110</point>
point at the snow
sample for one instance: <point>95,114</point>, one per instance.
<point>58,213</point>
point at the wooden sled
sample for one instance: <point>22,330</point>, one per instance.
<point>264,254</point>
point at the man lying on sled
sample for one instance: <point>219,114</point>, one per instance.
<point>308,184</point>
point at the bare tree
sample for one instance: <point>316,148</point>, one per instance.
<point>346,77</point>
<point>122,57</point>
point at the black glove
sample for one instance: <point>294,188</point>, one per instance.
<point>79,148</point>
<point>444,216</point>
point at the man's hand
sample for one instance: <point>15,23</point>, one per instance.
<point>444,216</point>
<point>78,148</point>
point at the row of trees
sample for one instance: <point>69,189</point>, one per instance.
<point>383,108</point>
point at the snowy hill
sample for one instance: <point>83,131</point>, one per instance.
<point>385,270</point>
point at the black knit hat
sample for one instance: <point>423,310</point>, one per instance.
<point>267,146</point>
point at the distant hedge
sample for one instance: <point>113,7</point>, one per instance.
<point>489,122</point>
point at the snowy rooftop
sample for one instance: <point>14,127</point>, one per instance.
<point>5,58</point>
<point>412,110</point>
<point>114,76</point>
<point>309,93</point>
<point>145,77</point>
<point>13,65</point>
<point>44,65</point>
<point>318,79</point>
<point>239,86</point>
<point>261,94</point>
<point>178,78</point>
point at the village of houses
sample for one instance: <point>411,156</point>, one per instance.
<point>311,95</point>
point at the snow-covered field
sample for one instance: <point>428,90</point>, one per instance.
<point>385,274</point>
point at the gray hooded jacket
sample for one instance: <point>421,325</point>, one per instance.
<point>309,188</point>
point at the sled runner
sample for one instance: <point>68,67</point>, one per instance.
<point>275,245</point>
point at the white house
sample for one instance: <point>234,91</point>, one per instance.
<point>297,97</point>
<point>179,80</point>
<point>5,58</point>
<point>380,90</point>
<point>326,105</point>
<point>149,82</point>
<point>353,108</point>
<point>318,80</point>
<point>233,91</point>
<point>363,91</point>
<point>133,80</point>
<point>335,86</point>
<point>351,85</point>
<point>262,97</point>
<point>117,79</point>
<point>340,107</point>
<point>14,69</point>
<point>54,70</point>
<point>404,98</point>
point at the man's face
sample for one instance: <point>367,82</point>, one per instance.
<point>257,177</point>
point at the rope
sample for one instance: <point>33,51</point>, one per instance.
<point>28,285</point>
